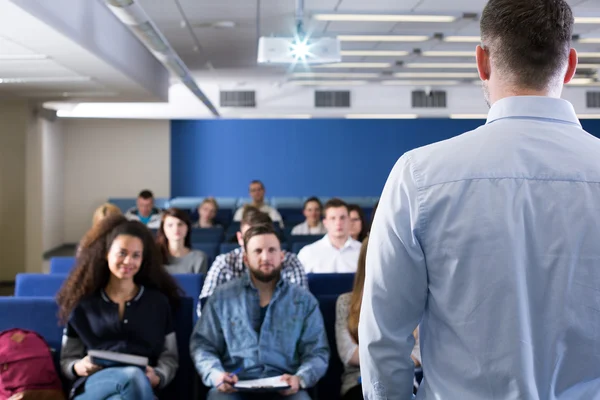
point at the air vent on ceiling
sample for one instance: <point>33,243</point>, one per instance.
<point>238,98</point>
<point>433,99</point>
<point>593,99</point>
<point>340,99</point>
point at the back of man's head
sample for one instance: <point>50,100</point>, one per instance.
<point>528,40</point>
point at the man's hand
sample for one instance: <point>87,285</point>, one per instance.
<point>226,382</point>
<point>293,381</point>
<point>152,376</point>
<point>85,367</point>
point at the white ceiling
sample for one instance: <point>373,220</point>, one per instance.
<point>236,48</point>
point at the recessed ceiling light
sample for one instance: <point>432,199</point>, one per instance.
<point>436,75</point>
<point>441,65</point>
<point>354,65</point>
<point>419,83</point>
<point>587,20</point>
<point>468,116</point>
<point>432,53</point>
<point>384,18</point>
<point>462,39</point>
<point>46,79</point>
<point>581,81</point>
<point>328,83</point>
<point>588,116</point>
<point>363,75</point>
<point>589,40</point>
<point>382,116</point>
<point>588,55</point>
<point>373,53</point>
<point>588,66</point>
<point>382,38</point>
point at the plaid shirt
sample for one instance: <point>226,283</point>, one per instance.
<point>231,265</point>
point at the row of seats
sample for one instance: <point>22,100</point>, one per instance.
<point>125,203</point>
<point>36,292</point>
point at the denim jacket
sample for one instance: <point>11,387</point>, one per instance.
<point>291,340</point>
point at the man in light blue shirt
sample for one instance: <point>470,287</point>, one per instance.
<point>491,240</point>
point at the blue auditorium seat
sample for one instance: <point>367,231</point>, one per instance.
<point>329,386</point>
<point>191,284</point>
<point>291,216</point>
<point>287,202</point>
<point>125,203</point>
<point>224,217</point>
<point>360,201</point>
<point>297,246</point>
<point>61,265</point>
<point>38,285</point>
<point>303,238</point>
<point>211,250</point>
<point>227,247</point>
<point>186,203</point>
<point>227,202</point>
<point>330,284</point>
<point>207,235</point>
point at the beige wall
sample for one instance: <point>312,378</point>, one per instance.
<point>14,117</point>
<point>53,186</point>
<point>111,158</point>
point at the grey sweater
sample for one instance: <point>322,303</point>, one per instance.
<point>195,262</point>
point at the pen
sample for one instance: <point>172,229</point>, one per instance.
<point>237,371</point>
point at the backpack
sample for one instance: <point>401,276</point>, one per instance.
<point>26,367</point>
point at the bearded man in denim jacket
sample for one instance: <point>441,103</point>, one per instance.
<point>261,326</point>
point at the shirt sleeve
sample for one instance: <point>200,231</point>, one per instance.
<point>72,350</point>
<point>346,346</point>
<point>294,270</point>
<point>206,343</point>
<point>395,289</point>
<point>313,347</point>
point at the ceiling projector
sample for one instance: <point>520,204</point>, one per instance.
<point>274,50</point>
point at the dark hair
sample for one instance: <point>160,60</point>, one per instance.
<point>91,272</point>
<point>253,216</point>
<point>528,39</point>
<point>313,199</point>
<point>255,181</point>
<point>256,230</point>
<point>161,239</point>
<point>363,221</point>
<point>334,203</point>
<point>146,194</point>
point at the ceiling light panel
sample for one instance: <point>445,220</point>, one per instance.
<point>354,65</point>
<point>340,17</point>
<point>374,53</point>
<point>382,38</point>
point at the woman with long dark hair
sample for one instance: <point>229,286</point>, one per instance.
<point>174,238</point>
<point>346,331</point>
<point>358,222</point>
<point>118,298</point>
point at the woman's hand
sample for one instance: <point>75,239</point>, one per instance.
<point>85,367</point>
<point>152,376</point>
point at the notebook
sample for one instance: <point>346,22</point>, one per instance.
<point>114,359</point>
<point>262,385</point>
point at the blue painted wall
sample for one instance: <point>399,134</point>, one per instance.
<point>299,157</point>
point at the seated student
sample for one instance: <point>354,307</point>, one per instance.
<point>257,192</point>
<point>358,222</point>
<point>262,326</point>
<point>207,211</point>
<point>231,265</point>
<point>346,332</point>
<point>145,212</point>
<point>174,238</point>
<point>337,251</point>
<point>313,224</point>
<point>118,298</point>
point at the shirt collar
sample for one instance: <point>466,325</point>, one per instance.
<point>136,298</point>
<point>348,243</point>
<point>533,107</point>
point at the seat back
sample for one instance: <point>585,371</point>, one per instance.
<point>330,284</point>
<point>191,284</point>
<point>38,285</point>
<point>225,248</point>
<point>329,386</point>
<point>211,250</point>
<point>61,265</point>
<point>207,235</point>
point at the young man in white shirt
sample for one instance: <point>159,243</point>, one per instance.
<point>337,251</point>
<point>257,192</point>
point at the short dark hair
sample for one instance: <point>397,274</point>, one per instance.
<point>146,194</point>
<point>255,181</point>
<point>334,203</point>
<point>256,230</point>
<point>253,216</point>
<point>313,199</point>
<point>528,40</point>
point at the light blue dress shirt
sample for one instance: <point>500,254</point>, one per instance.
<point>490,240</point>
